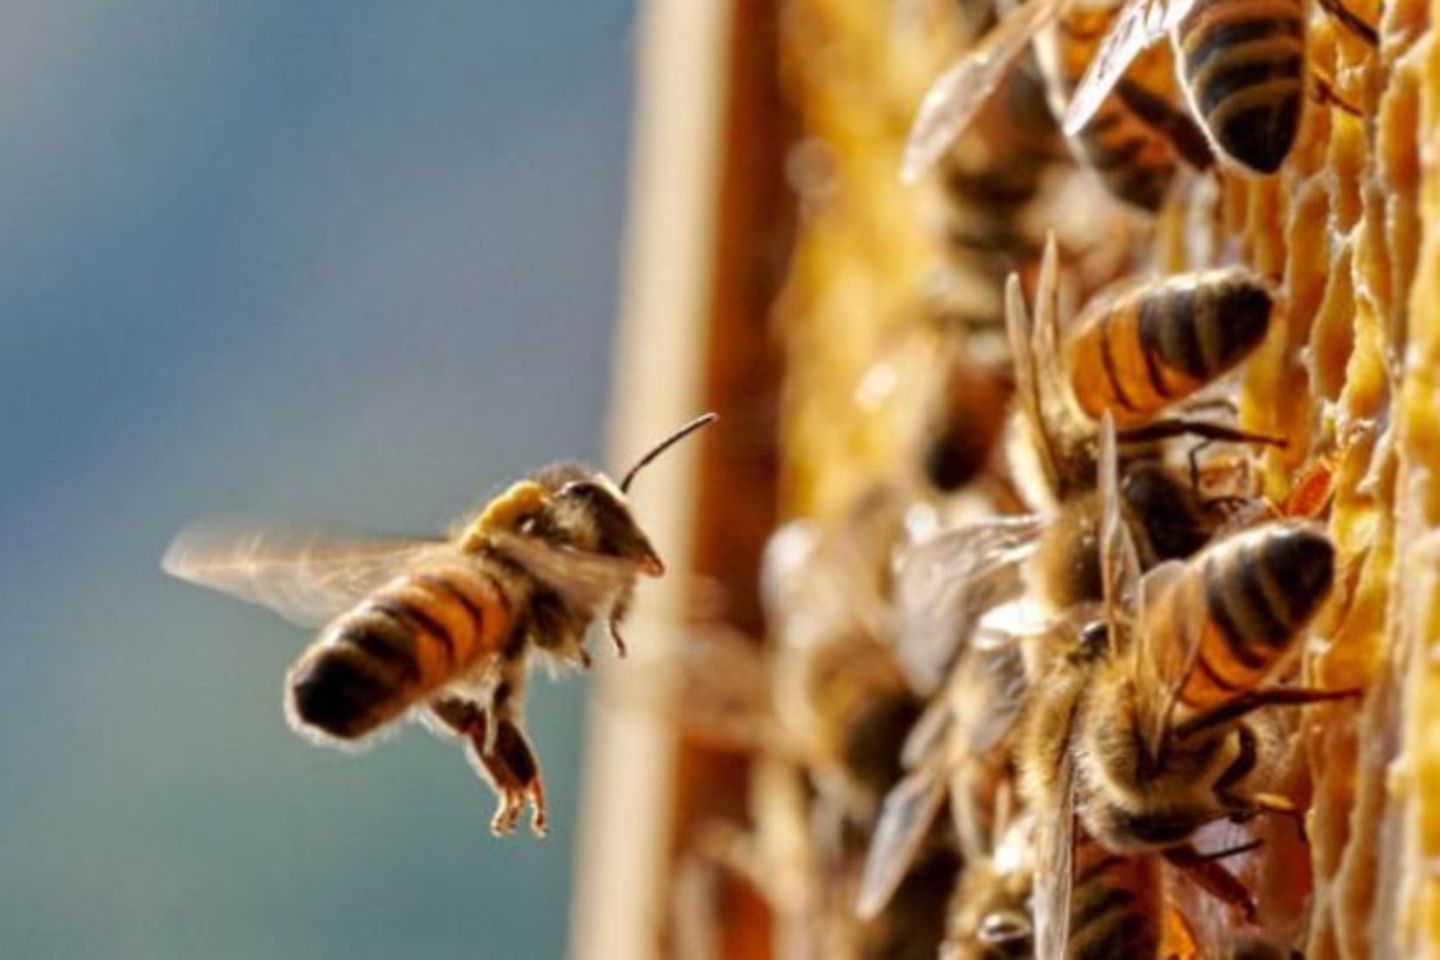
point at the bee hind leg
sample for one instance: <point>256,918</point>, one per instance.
<point>502,755</point>
<point>514,771</point>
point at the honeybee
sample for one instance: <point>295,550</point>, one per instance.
<point>989,916</point>
<point>1134,353</point>
<point>1242,66</point>
<point>1146,727</point>
<point>443,627</point>
<point>1135,146</point>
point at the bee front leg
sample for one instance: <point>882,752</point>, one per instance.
<point>617,616</point>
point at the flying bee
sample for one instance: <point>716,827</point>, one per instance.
<point>1242,66</point>
<point>1135,145</point>
<point>444,627</point>
<point>1146,726</point>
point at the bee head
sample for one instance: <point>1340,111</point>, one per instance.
<point>585,510</point>
<point>589,513</point>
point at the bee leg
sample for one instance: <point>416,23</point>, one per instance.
<point>1351,21</point>
<point>515,774</point>
<point>1192,457</point>
<point>614,629</point>
<point>1207,872</point>
<point>1168,427</point>
<point>1325,93</point>
<point>1252,700</point>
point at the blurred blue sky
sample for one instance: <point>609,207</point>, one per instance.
<point>352,262</point>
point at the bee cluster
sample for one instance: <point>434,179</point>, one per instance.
<point>1098,415</point>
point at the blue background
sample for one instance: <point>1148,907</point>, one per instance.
<point>350,262</point>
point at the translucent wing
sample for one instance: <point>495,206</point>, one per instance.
<point>1138,25</point>
<point>905,818</point>
<point>586,579</point>
<point>953,101</point>
<point>1119,563</point>
<point>306,576</point>
<point>1055,864</point>
<point>993,693</point>
<point>1039,372</point>
<point>715,687</point>
<point>1166,645</point>
<point>946,584</point>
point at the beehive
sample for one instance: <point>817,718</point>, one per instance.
<point>1347,232</point>
<point>795,128</point>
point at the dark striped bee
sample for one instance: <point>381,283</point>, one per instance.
<point>1135,145</point>
<point>1132,355</point>
<point>444,627</point>
<point>1243,65</point>
<point>1136,352</point>
<point>1147,727</point>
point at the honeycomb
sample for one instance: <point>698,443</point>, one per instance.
<point>1347,376</point>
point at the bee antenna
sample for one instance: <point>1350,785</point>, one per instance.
<point>704,420</point>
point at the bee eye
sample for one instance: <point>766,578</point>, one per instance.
<point>1094,637</point>
<point>1004,926</point>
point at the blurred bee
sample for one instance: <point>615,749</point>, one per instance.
<point>1144,726</point>
<point>828,700</point>
<point>989,916</point>
<point>949,397</point>
<point>1135,145</point>
<point>828,694</point>
<point>444,626</point>
<point>1242,66</point>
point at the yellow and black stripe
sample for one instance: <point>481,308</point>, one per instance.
<point>411,637</point>
<point>1138,136</point>
<point>1114,905</point>
<point>1244,66</point>
<point>1255,592</point>
<point>1160,343</point>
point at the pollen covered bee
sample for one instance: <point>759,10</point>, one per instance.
<point>1147,727</point>
<point>1242,64</point>
<point>1135,145</point>
<point>444,627</point>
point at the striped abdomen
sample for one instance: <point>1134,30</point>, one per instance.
<point>1244,66</point>
<point>1148,348</point>
<point>1126,143</point>
<point>1253,593</point>
<point>1115,908</point>
<point>411,637</point>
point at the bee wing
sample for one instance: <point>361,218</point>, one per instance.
<point>955,98</point>
<point>714,687</point>
<point>1119,562</point>
<point>306,576</point>
<point>944,585</point>
<point>586,579</point>
<point>1039,373</point>
<point>1136,27</point>
<point>994,695</point>
<point>1162,665</point>
<point>1054,869</point>
<point>905,818</point>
